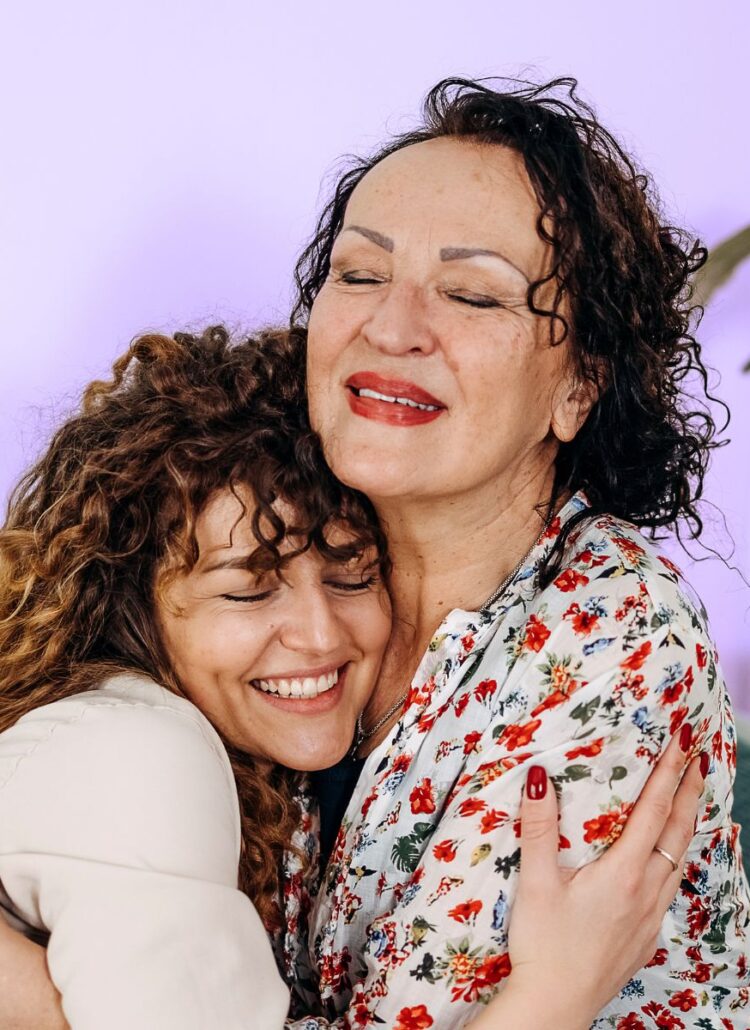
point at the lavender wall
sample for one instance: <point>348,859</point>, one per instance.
<point>162,160</point>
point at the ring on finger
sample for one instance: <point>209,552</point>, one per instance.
<point>668,858</point>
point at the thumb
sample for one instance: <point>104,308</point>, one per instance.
<point>539,831</point>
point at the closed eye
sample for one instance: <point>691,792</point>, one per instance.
<point>353,586</point>
<point>358,279</point>
<point>248,598</point>
<point>476,301</point>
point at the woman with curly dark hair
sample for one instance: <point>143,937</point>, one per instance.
<point>192,615</point>
<point>500,355</point>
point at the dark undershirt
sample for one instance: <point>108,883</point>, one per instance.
<point>334,788</point>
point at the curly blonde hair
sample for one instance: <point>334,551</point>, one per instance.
<point>107,515</point>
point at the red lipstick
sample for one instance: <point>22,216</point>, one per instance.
<point>396,402</point>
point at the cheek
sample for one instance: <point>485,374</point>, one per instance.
<point>371,626</point>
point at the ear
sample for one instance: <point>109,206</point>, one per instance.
<point>573,399</point>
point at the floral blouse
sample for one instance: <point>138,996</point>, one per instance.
<point>590,677</point>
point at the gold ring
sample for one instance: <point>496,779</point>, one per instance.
<point>668,858</point>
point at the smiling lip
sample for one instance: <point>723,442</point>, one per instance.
<point>317,705</point>
<point>397,402</point>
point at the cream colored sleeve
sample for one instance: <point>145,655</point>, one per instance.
<point>119,834</point>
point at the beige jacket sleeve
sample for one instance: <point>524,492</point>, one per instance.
<point>120,835</point>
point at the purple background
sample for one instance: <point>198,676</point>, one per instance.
<point>162,162</point>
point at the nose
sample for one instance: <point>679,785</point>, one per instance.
<point>399,323</point>
<point>312,626</point>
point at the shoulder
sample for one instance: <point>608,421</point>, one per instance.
<point>610,561</point>
<point>126,770</point>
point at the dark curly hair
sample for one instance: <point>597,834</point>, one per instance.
<point>624,274</point>
<point>107,515</point>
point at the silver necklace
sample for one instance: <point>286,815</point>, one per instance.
<point>361,734</point>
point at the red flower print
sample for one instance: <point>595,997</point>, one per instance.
<point>415,1018</point>
<point>701,656</point>
<point>400,763</point>
<point>702,973</point>
<point>535,634</point>
<point>684,1000</point>
<point>631,550</point>
<point>677,718</point>
<point>630,1022</point>
<point>607,828</point>
<point>471,806</point>
<point>694,952</point>
<point>553,529</point>
<point>660,957</point>
<point>669,565</point>
<point>467,642</point>
<point>422,797</point>
<point>333,969</point>
<point>359,1015</point>
<point>672,693</point>
<point>638,657</point>
<point>368,802</point>
<point>445,851</point>
<point>570,580</point>
<point>584,623</point>
<point>466,911</point>
<point>716,744</point>
<point>666,1021</point>
<point>460,705</point>
<point>594,747</point>
<point>698,916</point>
<point>471,742</point>
<point>492,819</point>
<point>485,689</point>
<point>515,735</point>
<point>492,970</point>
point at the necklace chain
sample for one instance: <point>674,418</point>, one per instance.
<point>361,734</point>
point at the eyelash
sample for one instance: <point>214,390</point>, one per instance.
<point>481,302</point>
<point>352,588</point>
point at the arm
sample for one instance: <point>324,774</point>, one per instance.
<point>120,836</point>
<point>573,942</point>
<point>572,992</point>
<point>597,717</point>
<point>28,998</point>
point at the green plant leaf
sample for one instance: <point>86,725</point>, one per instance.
<point>722,263</point>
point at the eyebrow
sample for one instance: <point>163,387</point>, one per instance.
<point>374,237</point>
<point>462,253</point>
<point>446,253</point>
<point>240,561</point>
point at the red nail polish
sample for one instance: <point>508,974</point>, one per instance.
<point>705,762</point>
<point>686,735</point>
<point>536,783</point>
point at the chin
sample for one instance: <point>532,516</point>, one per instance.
<point>372,472</point>
<point>315,759</point>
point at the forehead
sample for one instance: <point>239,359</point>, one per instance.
<point>224,526</point>
<point>454,192</point>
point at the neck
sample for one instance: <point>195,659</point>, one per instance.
<point>453,552</point>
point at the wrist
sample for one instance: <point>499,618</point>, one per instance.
<point>523,1004</point>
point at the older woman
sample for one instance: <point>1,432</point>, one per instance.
<point>192,608</point>
<point>498,338</point>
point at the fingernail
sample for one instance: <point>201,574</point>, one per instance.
<point>705,762</point>
<point>536,783</point>
<point>686,735</point>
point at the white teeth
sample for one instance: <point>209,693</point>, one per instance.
<point>308,686</point>
<point>396,400</point>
